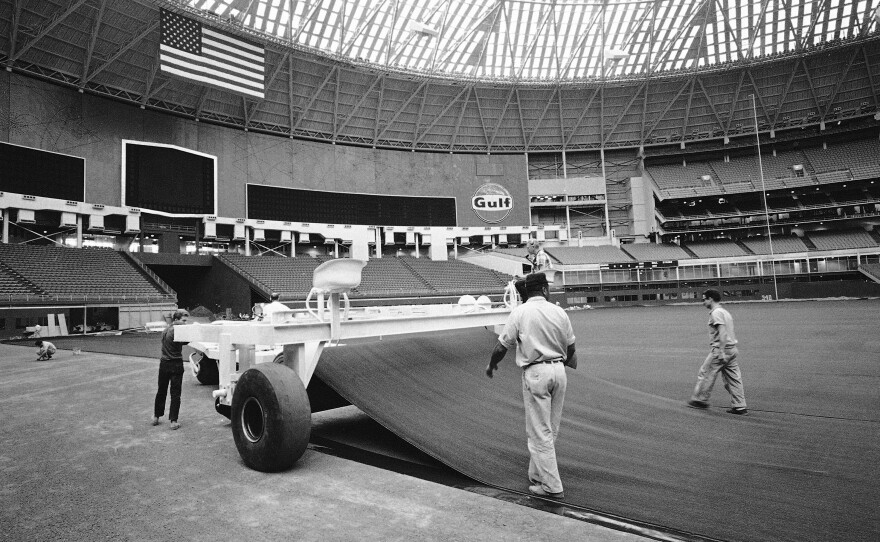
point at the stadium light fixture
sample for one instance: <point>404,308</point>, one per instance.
<point>615,54</point>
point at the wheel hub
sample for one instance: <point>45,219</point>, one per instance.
<point>252,420</point>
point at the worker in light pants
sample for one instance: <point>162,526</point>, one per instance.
<point>544,340</point>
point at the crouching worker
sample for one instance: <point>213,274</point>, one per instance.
<point>543,337</point>
<point>47,350</point>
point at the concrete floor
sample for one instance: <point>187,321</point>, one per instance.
<point>81,462</point>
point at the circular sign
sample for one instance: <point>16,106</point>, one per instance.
<point>492,203</point>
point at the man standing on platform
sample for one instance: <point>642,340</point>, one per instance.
<point>544,340</point>
<point>537,257</point>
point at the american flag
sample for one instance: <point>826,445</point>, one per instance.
<point>198,53</point>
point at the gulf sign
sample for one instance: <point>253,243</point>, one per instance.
<point>492,203</point>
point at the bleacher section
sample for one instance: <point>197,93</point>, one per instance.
<point>381,277</point>
<point>12,284</point>
<point>588,255</point>
<point>716,249</point>
<point>833,240</point>
<point>83,274</point>
<point>781,245</point>
<point>456,277</point>
<point>390,277</point>
<point>649,252</point>
<point>286,276</point>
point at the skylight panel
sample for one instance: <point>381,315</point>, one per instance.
<point>561,39</point>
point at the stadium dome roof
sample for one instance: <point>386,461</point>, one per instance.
<point>555,40</point>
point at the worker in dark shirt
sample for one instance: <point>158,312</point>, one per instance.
<point>170,371</point>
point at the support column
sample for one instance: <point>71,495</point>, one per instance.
<point>378,242</point>
<point>197,222</point>
<point>79,231</point>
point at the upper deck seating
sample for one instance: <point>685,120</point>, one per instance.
<point>716,249</point>
<point>647,252</point>
<point>740,170</point>
<point>678,176</point>
<point>842,240</point>
<point>840,156</point>
<point>89,273</point>
<point>780,166</point>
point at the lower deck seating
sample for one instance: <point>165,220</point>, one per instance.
<point>457,277</point>
<point>588,255</point>
<point>647,252</point>
<point>290,277</point>
<point>716,249</point>
<point>381,277</point>
<point>13,285</point>
<point>389,276</point>
<point>780,245</point>
<point>842,240</point>
<point>89,273</point>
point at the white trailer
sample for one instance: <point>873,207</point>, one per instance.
<point>264,394</point>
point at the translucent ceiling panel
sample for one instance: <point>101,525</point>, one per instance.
<point>559,40</point>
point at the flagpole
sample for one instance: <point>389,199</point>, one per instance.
<point>764,195</point>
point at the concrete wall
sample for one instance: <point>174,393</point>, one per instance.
<point>60,119</point>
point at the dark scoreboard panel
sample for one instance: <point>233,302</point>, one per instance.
<point>168,179</point>
<point>35,172</point>
<point>298,205</point>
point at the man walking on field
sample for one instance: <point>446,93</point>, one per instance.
<point>721,358</point>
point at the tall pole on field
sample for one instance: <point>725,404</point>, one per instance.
<point>764,195</point>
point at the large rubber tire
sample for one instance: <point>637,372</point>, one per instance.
<point>208,374</point>
<point>271,417</point>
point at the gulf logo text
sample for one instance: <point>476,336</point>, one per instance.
<point>492,203</point>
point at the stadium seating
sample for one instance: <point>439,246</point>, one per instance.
<point>781,245</point>
<point>390,277</point>
<point>12,284</point>
<point>716,249</point>
<point>648,252</point>
<point>456,277</point>
<point>92,273</point>
<point>677,176</point>
<point>588,255</point>
<point>290,277</point>
<point>842,156</point>
<point>381,277</point>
